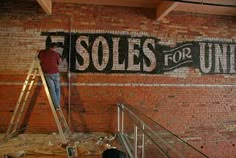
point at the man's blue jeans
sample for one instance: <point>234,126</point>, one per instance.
<point>53,82</point>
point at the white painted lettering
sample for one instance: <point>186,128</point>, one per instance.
<point>203,56</point>
<point>82,52</point>
<point>177,56</point>
<point>116,64</point>
<point>187,53</point>
<point>232,58</point>
<point>100,40</point>
<point>150,55</point>
<point>132,53</point>
<point>167,58</point>
<point>220,58</point>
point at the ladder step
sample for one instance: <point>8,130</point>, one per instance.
<point>67,132</point>
<point>12,124</point>
<point>61,120</point>
<point>27,84</point>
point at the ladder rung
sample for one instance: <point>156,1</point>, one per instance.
<point>11,124</point>
<point>27,84</point>
<point>67,132</point>
<point>61,121</point>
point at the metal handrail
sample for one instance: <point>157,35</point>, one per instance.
<point>151,134</point>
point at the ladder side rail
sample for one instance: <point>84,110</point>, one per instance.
<point>66,126</point>
<point>51,104</point>
<point>32,80</point>
<point>19,102</point>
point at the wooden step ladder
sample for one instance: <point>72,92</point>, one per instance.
<point>34,71</point>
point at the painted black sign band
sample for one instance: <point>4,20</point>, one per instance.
<point>112,53</point>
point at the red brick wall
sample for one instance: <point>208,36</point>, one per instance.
<point>199,108</point>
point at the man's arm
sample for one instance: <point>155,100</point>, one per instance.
<point>59,61</point>
<point>39,55</point>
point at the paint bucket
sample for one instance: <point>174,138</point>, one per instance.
<point>71,151</point>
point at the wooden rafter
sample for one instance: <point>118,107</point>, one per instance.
<point>46,5</point>
<point>206,9</point>
<point>164,8</point>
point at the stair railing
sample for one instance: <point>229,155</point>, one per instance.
<point>141,137</point>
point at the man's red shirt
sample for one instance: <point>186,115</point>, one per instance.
<point>49,61</point>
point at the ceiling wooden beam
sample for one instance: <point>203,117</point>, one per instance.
<point>164,8</point>
<point>46,5</point>
<point>206,9</point>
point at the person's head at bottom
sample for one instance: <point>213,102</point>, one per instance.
<point>113,153</point>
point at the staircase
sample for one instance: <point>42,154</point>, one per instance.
<point>141,137</point>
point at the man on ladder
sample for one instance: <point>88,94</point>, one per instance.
<point>49,60</point>
<point>48,71</point>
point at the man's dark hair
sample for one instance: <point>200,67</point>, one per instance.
<point>53,45</point>
<point>113,153</point>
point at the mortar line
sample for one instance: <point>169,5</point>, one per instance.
<point>113,84</point>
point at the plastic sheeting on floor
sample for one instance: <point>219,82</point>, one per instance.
<point>50,144</point>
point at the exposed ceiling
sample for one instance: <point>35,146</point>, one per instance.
<point>163,7</point>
